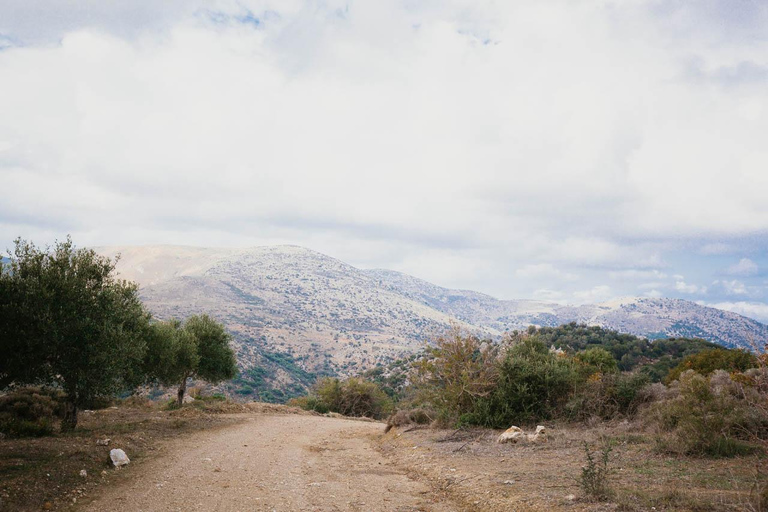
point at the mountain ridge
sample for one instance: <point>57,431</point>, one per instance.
<point>292,310</point>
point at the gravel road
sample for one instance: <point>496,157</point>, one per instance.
<point>272,463</point>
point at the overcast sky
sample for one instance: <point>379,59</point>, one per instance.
<point>574,150</point>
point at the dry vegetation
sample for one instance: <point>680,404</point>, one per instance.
<point>482,475</point>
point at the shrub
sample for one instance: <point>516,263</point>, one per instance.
<point>609,396</point>
<point>309,403</point>
<point>595,360</point>
<point>351,397</point>
<point>711,416</point>
<point>706,362</point>
<point>533,384</point>
<point>30,412</point>
<point>416,416</point>
<point>596,472</point>
<point>457,372</point>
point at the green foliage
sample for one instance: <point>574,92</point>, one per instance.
<point>30,412</point>
<point>310,403</point>
<point>216,358</point>
<point>596,472</point>
<point>350,397</point>
<point>171,353</point>
<point>392,378</point>
<point>708,361</point>
<point>631,352</point>
<point>608,396</point>
<point>597,359</point>
<point>259,382</point>
<point>198,349</point>
<point>532,384</point>
<point>66,321</point>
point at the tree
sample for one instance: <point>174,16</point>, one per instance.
<point>67,321</point>
<point>198,349</point>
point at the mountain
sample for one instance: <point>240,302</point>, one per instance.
<point>650,318</point>
<point>295,313</point>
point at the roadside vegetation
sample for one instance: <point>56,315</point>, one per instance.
<point>680,398</point>
<point>81,336</point>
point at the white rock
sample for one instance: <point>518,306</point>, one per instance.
<point>540,436</point>
<point>187,399</point>
<point>83,473</point>
<point>103,442</point>
<point>119,458</point>
<point>511,435</point>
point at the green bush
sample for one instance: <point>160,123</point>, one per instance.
<point>608,396</point>
<point>706,362</point>
<point>533,384</point>
<point>350,397</point>
<point>30,412</point>
<point>596,472</point>
<point>309,403</point>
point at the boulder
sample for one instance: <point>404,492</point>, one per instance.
<point>187,399</point>
<point>511,435</point>
<point>118,457</point>
<point>540,436</point>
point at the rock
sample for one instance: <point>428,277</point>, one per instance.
<point>118,457</point>
<point>103,442</point>
<point>47,505</point>
<point>187,399</point>
<point>511,435</point>
<point>540,436</point>
<point>83,473</point>
<point>571,497</point>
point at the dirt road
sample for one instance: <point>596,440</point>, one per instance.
<point>272,463</point>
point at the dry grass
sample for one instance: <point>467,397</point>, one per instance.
<point>490,477</point>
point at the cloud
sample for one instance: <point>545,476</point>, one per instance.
<point>543,271</point>
<point>598,293</point>
<point>756,310</point>
<point>745,267</point>
<point>683,287</point>
<point>457,141</point>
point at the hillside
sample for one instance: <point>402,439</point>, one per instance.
<point>296,313</point>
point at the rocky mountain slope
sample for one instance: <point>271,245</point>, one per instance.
<point>296,313</point>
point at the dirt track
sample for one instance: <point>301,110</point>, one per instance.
<point>280,463</point>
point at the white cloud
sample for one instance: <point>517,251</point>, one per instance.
<point>745,267</point>
<point>457,141</point>
<point>731,287</point>
<point>756,310</point>
<point>544,271</point>
<point>598,293</point>
<point>683,287</point>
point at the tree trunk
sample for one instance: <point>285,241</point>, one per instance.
<point>69,422</point>
<point>182,390</point>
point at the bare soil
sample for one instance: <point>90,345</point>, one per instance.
<point>481,475</point>
<point>273,462</point>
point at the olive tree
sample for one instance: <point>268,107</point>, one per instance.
<point>67,321</point>
<point>198,349</point>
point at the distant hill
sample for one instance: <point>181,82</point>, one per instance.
<point>297,313</point>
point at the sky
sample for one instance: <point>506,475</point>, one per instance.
<point>569,150</point>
